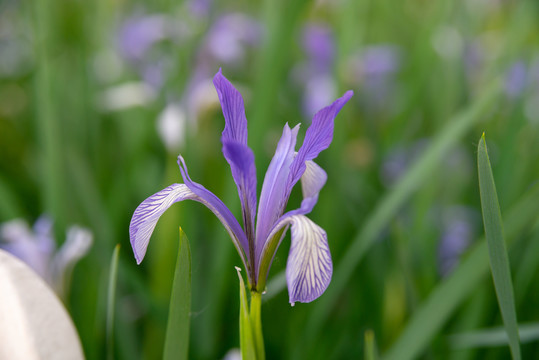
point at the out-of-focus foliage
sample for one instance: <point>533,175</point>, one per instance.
<point>97,99</point>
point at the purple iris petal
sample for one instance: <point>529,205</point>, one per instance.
<point>233,110</point>
<point>309,266</point>
<point>242,163</point>
<point>312,181</point>
<point>148,213</point>
<point>317,138</point>
<point>235,149</point>
<point>150,210</point>
<point>273,194</point>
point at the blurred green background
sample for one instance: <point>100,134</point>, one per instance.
<point>98,98</point>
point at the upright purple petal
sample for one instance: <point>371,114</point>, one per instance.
<point>317,138</point>
<point>242,164</point>
<point>235,149</point>
<point>233,110</point>
<point>312,181</point>
<point>272,197</point>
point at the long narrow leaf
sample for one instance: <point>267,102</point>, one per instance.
<point>111,300</point>
<point>493,337</point>
<point>177,337</point>
<point>247,343</point>
<point>371,353</point>
<point>446,297</point>
<point>499,261</point>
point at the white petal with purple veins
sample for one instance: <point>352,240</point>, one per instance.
<point>309,267</point>
<point>148,213</point>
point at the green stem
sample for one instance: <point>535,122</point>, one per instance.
<point>256,323</point>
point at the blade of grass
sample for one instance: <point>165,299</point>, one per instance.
<point>247,343</point>
<point>446,297</point>
<point>455,129</point>
<point>370,346</point>
<point>111,300</point>
<point>499,261</point>
<point>493,337</point>
<point>177,336</point>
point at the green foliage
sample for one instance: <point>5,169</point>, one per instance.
<point>400,166</point>
<point>499,261</point>
<point>179,316</point>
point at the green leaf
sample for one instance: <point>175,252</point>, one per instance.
<point>111,299</point>
<point>177,337</point>
<point>499,261</point>
<point>370,346</point>
<point>247,343</point>
<point>493,337</point>
<point>446,297</point>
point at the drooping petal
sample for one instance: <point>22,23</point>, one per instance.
<point>215,204</point>
<point>150,210</point>
<point>242,163</point>
<point>233,110</point>
<point>148,213</point>
<point>272,197</point>
<point>317,138</point>
<point>309,267</point>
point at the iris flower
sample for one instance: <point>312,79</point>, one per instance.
<point>309,266</point>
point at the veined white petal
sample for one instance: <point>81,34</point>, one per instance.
<point>150,210</point>
<point>309,267</point>
<point>312,181</point>
<point>148,213</point>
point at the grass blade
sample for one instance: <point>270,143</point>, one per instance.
<point>247,343</point>
<point>111,300</point>
<point>370,346</point>
<point>446,297</point>
<point>499,261</point>
<point>177,336</point>
<point>493,337</point>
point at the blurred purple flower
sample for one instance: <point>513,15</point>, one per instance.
<point>458,230</point>
<point>319,45</point>
<point>200,8</point>
<point>399,160</point>
<point>315,74</point>
<point>138,34</point>
<point>473,59</point>
<point>36,247</point>
<point>230,36</point>
<point>309,266</point>
<point>516,80</point>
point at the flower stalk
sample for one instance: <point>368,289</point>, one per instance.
<point>256,324</point>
